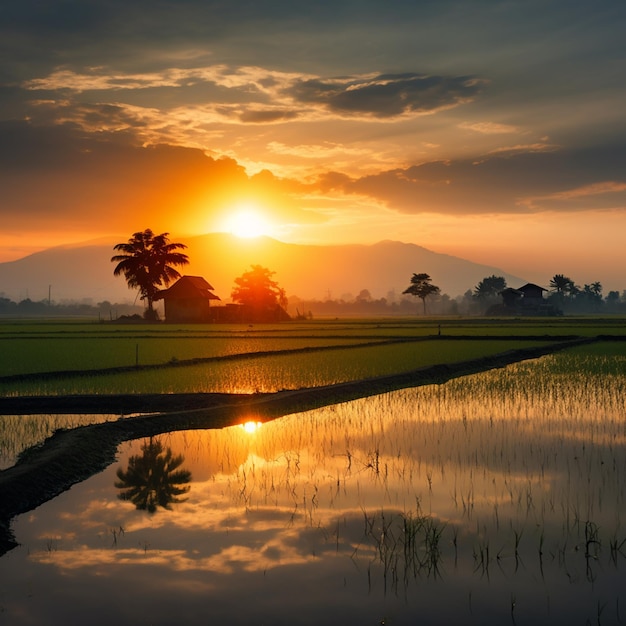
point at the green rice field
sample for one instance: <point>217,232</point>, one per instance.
<point>87,357</point>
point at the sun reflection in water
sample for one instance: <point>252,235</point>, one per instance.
<point>251,426</point>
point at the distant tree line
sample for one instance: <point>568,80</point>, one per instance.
<point>563,294</point>
<point>570,299</point>
<point>573,298</point>
<point>104,310</point>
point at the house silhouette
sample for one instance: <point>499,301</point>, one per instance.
<point>525,300</point>
<point>188,300</point>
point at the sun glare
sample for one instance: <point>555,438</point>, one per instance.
<point>251,427</point>
<point>247,223</point>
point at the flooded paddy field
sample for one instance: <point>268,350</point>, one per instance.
<point>493,498</point>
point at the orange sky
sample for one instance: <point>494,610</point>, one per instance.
<point>492,131</point>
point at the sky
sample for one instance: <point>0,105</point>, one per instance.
<point>493,130</point>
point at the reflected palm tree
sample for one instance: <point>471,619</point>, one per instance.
<point>153,478</point>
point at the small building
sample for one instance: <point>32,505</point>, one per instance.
<point>532,293</point>
<point>188,300</point>
<point>526,300</point>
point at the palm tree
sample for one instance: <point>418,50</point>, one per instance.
<point>421,288</point>
<point>153,478</point>
<point>596,288</point>
<point>146,262</point>
<point>561,284</point>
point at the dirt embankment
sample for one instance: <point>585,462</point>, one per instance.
<point>71,456</point>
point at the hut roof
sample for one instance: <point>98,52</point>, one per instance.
<point>188,287</point>
<point>531,287</point>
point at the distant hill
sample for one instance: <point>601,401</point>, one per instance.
<point>85,273</point>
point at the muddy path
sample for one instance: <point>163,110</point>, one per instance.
<point>71,456</point>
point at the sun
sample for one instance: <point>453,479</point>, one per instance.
<point>247,222</point>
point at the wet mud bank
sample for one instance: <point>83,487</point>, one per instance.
<point>71,456</point>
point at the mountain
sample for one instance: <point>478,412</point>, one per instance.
<point>84,272</point>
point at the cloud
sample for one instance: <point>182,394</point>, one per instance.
<point>601,195</point>
<point>321,150</point>
<point>524,149</point>
<point>61,177</point>
<point>267,116</point>
<point>564,180</point>
<point>101,171</point>
<point>490,128</point>
<point>387,95</point>
<point>61,174</point>
<point>252,94</point>
<point>105,78</point>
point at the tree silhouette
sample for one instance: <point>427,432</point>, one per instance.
<point>256,289</point>
<point>421,287</point>
<point>596,288</point>
<point>561,284</point>
<point>489,287</point>
<point>153,478</point>
<point>146,262</point>
<point>592,295</point>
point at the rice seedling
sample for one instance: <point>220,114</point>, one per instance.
<point>76,353</point>
<point>20,432</point>
<point>268,373</point>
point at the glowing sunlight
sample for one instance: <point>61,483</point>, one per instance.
<point>247,222</point>
<point>251,427</point>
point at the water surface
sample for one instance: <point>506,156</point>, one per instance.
<point>496,498</point>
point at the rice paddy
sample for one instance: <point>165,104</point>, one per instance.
<point>495,498</point>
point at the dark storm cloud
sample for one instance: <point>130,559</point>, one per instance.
<point>387,95</point>
<point>521,182</point>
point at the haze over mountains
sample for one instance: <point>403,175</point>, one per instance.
<point>84,272</point>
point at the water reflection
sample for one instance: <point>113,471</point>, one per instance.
<point>152,478</point>
<point>493,499</point>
